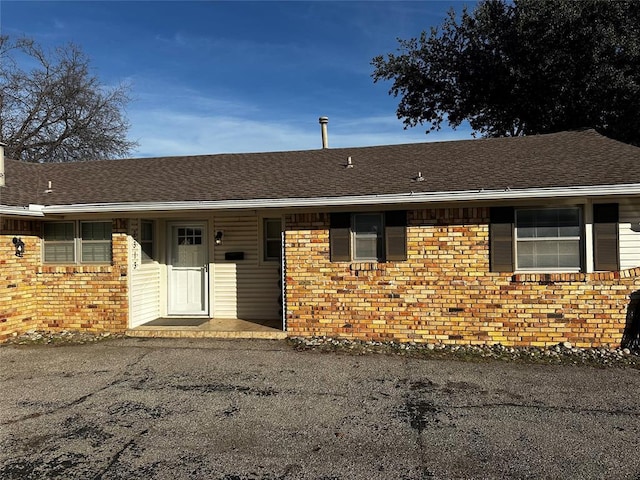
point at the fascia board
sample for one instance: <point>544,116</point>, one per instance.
<point>402,198</point>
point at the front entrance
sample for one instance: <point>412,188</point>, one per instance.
<point>188,269</point>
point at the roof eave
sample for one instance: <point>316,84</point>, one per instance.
<point>14,211</point>
<point>397,198</point>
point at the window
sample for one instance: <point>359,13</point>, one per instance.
<point>59,242</point>
<point>272,239</point>
<point>95,242</point>
<point>63,239</point>
<point>548,239</point>
<point>368,237</point>
<point>552,239</point>
<point>147,240</point>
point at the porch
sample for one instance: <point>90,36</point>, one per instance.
<point>209,328</point>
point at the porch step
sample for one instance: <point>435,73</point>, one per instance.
<point>166,333</point>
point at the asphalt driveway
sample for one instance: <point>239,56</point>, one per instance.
<point>172,409</point>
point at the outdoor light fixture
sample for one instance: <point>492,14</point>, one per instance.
<point>219,235</point>
<point>19,244</point>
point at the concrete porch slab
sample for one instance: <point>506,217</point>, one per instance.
<point>208,328</point>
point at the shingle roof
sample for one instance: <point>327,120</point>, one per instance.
<point>579,158</point>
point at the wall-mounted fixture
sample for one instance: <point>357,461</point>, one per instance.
<point>19,244</point>
<point>219,236</point>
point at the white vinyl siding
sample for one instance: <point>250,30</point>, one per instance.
<point>629,234</point>
<point>145,294</point>
<point>248,288</point>
<point>146,287</point>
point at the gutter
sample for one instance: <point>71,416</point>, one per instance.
<point>30,211</point>
<point>402,198</point>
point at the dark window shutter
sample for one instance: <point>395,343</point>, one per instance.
<point>340,237</point>
<point>501,239</point>
<point>395,233</point>
<point>605,237</point>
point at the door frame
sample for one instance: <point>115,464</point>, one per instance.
<point>204,224</point>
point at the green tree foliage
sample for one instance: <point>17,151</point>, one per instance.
<point>52,109</point>
<point>523,67</point>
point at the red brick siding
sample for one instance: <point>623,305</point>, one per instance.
<point>445,292</point>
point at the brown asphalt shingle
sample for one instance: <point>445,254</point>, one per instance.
<point>580,158</point>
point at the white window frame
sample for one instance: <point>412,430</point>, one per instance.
<point>580,238</point>
<point>71,242</point>
<point>152,241</point>
<point>265,239</point>
<point>379,236</point>
<point>82,242</point>
<point>78,243</point>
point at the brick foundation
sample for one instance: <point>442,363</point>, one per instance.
<point>444,292</point>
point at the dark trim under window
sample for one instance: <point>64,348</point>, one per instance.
<point>368,237</point>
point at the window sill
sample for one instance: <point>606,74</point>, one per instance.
<point>548,278</point>
<point>66,269</point>
<point>365,266</point>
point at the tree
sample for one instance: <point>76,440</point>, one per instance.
<point>523,67</point>
<point>52,109</point>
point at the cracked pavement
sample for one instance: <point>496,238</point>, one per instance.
<point>250,409</point>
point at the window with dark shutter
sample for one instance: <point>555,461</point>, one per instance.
<point>501,239</point>
<point>340,237</point>
<point>606,255</point>
<point>396,235</point>
<point>368,236</point>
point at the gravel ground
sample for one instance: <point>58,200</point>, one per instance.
<point>127,408</point>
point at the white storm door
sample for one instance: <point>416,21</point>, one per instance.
<point>188,269</point>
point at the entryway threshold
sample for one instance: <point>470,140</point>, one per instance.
<point>208,328</point>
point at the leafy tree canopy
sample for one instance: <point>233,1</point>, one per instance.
<point>523,67</point>
<point>52,109</point>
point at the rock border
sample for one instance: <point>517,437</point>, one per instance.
<point>41,337</point>
<point>561,354</point>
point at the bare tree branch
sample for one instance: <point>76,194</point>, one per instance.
<point>53,109</point>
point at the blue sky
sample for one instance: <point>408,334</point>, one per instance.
<point>216,77</point>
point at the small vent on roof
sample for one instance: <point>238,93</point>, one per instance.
<point>419,178</point>
<point>349,163</point>
<point>48,190</point>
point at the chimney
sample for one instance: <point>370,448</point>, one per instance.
<point>2,145</point>
<point>323,127</point>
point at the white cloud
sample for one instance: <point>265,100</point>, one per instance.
<point>165,132</point>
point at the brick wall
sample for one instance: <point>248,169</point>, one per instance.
<point>60,297</point>
<point>18,285</point>
<point>444,292</point>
